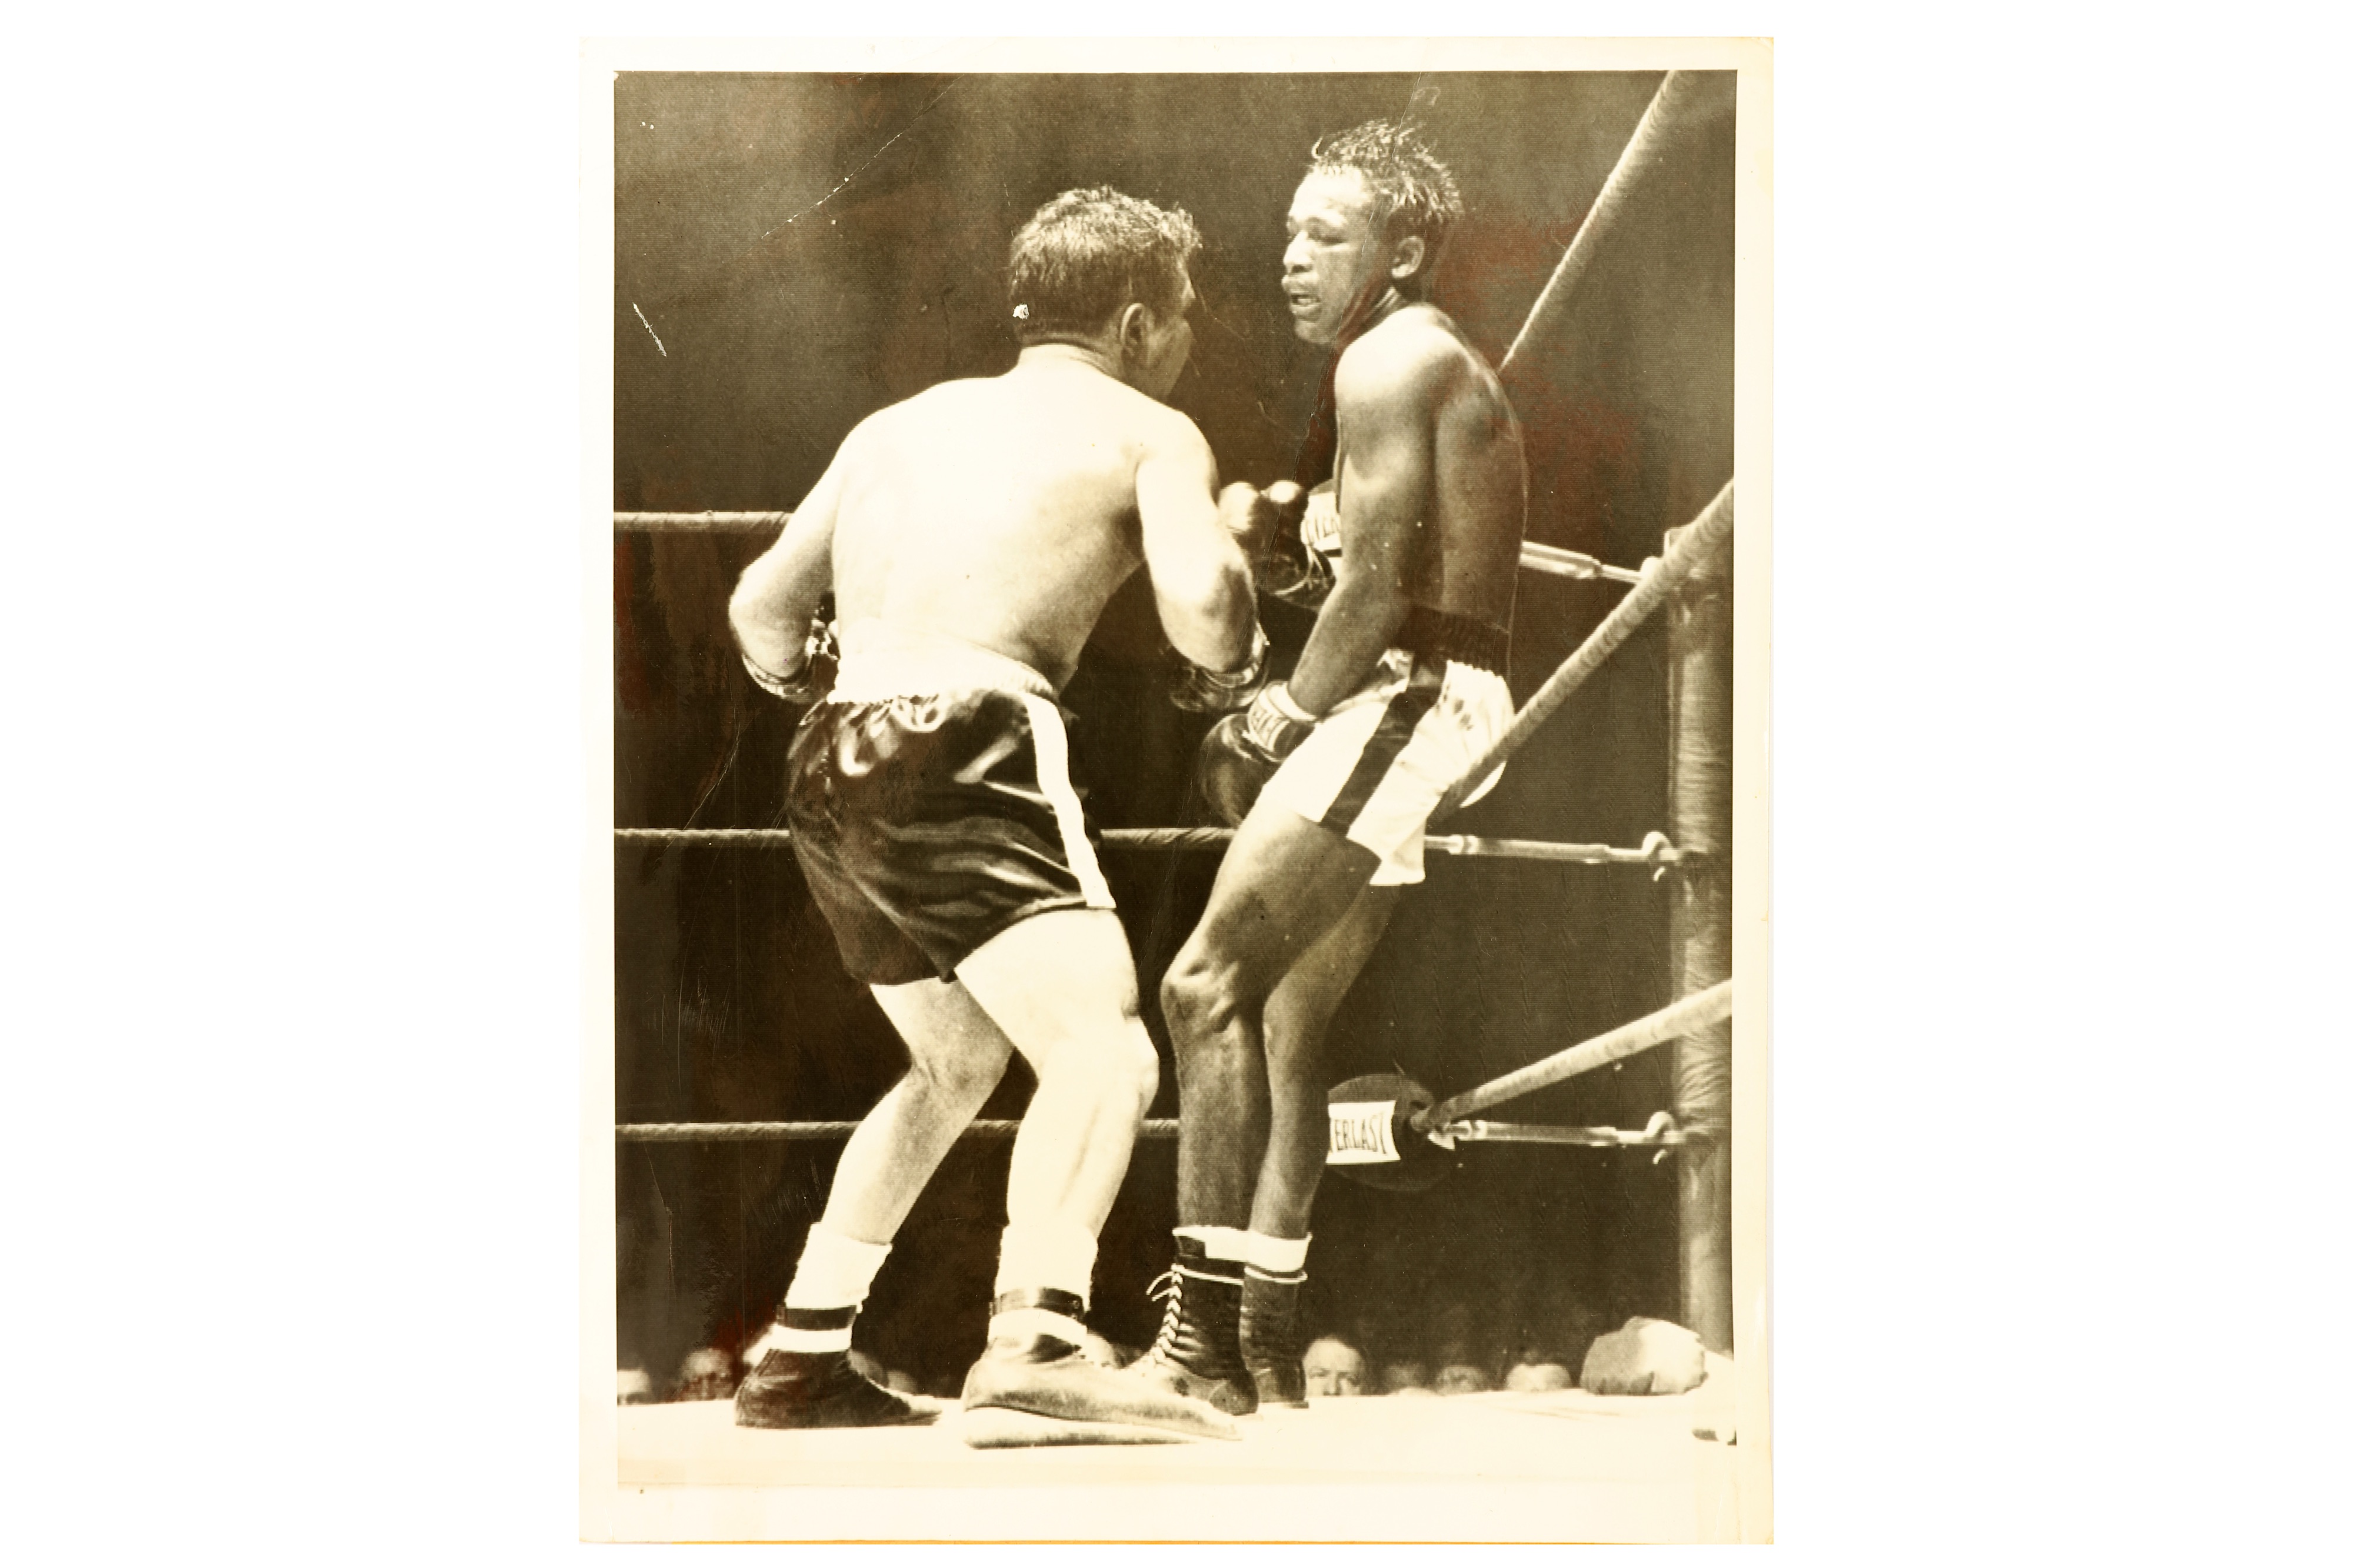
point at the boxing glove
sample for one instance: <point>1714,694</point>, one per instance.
<point>1242,751</point>
<point>1256,518</point>
<point>808,683</point>
<point>1199,691</point>
<point>1295,565</point>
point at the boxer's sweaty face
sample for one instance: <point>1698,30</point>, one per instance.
<point>1334,256</point>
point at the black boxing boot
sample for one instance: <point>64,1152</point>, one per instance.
<point>1270,1333</point>
<point>1035,1386</point>
<point>1199,1350</point>
<point>804,1389</point>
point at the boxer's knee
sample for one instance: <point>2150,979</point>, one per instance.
<point>1120,1072</point>
<point>959,1080</point>
<point>1126,1074</point>
<point>1201,998</point>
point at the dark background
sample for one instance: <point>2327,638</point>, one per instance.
<point>788,305</point>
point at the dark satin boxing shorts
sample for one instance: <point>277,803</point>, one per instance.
<point>927,826</point>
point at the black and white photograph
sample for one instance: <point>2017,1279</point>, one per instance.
<point>1100,792</point>
<point>1179,924</point>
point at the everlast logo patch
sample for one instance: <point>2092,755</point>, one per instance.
<point>1360,1133</point>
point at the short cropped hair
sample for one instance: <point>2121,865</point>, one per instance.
<point>1413,192</point>
<point>1087,254</point>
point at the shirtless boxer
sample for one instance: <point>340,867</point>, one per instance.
<point>971,536</point>
<point>1333,777</point>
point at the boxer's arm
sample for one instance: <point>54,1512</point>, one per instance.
<point>1200,579</point>
<point>1387,403</point>
<point>776,598</point>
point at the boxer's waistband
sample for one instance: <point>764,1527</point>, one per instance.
<point>881,661</point>
<point>1458,639</point>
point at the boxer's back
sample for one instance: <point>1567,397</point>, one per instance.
<point>999,511</point>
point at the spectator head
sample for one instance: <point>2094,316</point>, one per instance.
<point>1539,1377</point>
<point>1405,1377</point>
<point>634,1386</point>
<point>1462,1378</point>
<point>706,1375</point>
<point>1335,1369</point>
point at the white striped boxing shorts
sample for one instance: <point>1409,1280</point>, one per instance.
<point>1376,764</point>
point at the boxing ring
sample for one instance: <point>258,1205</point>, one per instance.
<point>1637,1444</point>
<point>1562,1466</point>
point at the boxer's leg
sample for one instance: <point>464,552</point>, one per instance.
<point>1284,882</point>
<point>957,1057</point>
<point>1062,986</point>
<point>801,1374</point>
<point>1297,1017</point>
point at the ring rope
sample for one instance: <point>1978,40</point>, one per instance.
<point>786,1131</point>
<point>1695,1011</point>
<point>1661,1134</point>
<point>1548,560</point>
<point>1684,100</point>
<point>699,521</point>
<point>1691,548</point>
<point>1554,561</point>
<point>1656,850</point>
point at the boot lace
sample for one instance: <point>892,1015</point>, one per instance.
<point>1169,1288</point>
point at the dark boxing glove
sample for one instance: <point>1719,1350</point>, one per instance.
<point>1198,690</point>
<point>1242,751</point>
<point>1294,564</point>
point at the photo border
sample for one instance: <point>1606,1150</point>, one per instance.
<point>1108,1512</point>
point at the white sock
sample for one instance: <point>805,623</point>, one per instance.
<point>1277,1254</point>
<point>1221,1242</point>
<point>1051,1255</point>
<point>834,1271</point>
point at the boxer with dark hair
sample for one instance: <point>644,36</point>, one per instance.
<point>1414,553</point>
<point>971,536</point>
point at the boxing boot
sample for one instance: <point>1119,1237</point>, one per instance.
<point>1199,1350</point>
<point>802,1389</point>
<point>1036,1387</point>
<point>1270,1336</point>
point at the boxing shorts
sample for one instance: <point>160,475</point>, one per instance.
<point>931,806</point>
<point>1376,764</point>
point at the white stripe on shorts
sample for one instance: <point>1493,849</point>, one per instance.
<point>1054,778</point>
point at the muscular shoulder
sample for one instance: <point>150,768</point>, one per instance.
<point>936,402</point>
<point>1146,428</point>
<point>1165,432</point>
<point>872,436</point>
<point>1411,359</point>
